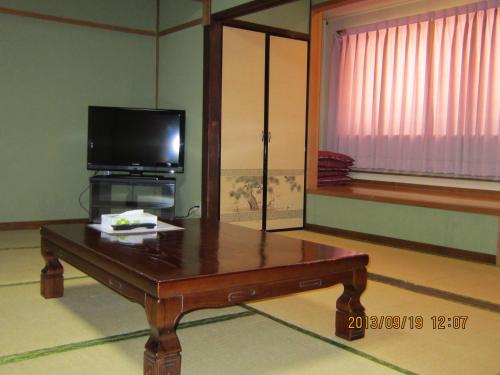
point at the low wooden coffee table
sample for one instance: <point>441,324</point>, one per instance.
<point>209,264</point>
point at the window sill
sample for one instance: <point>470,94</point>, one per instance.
<point>456,199</point>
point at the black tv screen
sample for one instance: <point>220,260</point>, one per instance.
<point>135,140</point>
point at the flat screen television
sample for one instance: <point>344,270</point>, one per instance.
<point>135,140</point>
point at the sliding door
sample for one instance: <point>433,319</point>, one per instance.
<point>242,125</point>
<point>286,133</point>
<point>263,127</point>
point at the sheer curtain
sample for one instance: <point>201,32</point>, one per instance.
<point>420,94</point>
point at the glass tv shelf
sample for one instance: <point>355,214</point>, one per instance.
<point>119,193</point>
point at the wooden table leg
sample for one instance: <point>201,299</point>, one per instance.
<point>51,277</point>
<point>163,349</point>
<point>349,307</point>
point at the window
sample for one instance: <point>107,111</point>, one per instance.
<point>421,94</point>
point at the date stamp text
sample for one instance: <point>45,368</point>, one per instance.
<point>438,322</point>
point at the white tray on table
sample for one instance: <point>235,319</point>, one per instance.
<point>160,227</point>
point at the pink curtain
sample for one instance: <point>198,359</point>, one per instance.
<point>420,94</point>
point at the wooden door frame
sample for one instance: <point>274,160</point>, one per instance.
<point>314,100</point>
<point>212,93</point>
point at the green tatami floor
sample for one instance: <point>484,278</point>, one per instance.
<point>94,330</point>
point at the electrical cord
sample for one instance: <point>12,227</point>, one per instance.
<point>83,192</point>
<point>188,214</point>
<point>80,199</point>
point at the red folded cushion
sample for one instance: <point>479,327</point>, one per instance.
<point>333,169</point>
<point>329,173</point>
<point>334,178</point>
<point>334,156</point>
<point>331,163</point>
<point>337,180</point>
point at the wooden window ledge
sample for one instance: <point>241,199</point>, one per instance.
<point>447,198</point>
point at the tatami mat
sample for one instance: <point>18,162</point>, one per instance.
<point>24,265</point>
<point>10,239</point>
<point>427,351</point>
<point>87,311</point>
<point>76,334</point>
<point>246,346</point>
<point>433,271</point>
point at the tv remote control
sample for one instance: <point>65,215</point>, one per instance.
<point>133,226</point>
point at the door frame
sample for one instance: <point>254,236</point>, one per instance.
<point>212,93</point>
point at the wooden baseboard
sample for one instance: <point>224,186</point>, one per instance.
<point>404,244</point>
<point>37,224</point>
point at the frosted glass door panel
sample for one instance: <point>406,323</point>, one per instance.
<point>242,122</point>
<point>287,129</point>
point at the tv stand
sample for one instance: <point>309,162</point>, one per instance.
<point>136,174</point>
<point>119,193</point>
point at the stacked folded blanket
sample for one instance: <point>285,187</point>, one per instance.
<point>333,168</point>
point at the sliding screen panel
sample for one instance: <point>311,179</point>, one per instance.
<point>287,131</point>
<point>242,124</point>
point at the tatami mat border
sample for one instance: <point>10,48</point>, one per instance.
<point>18,357</point>
<point>38,281</point>
<point>20,248</point>
<point>433,292</point>
<point>330,341</point>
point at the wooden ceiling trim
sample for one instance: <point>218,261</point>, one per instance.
<point>74,21</point>
<point>266,29</point>
<point>331,4</point>
<point>248,8</point>
<point>207,12</point>
<point>182,26</point>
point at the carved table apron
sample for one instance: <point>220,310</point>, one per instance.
<point>208,264</point>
